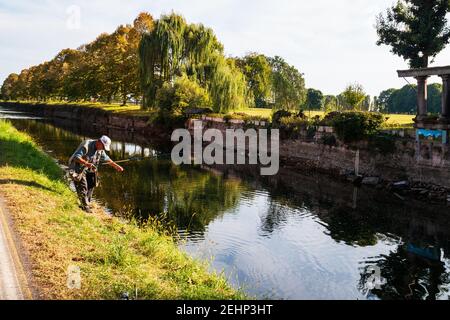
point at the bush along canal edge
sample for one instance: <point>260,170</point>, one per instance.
<point>113,257</point>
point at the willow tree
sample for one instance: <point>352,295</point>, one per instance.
<point>227,86</point>
<point>161,52</point>
<point>175,48</point>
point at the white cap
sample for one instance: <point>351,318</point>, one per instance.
<point>106,142</point>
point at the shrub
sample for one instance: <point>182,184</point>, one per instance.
<point>276,117</point>
<point>292,127</point>
<point>353,125</point>
<point>184,93</point>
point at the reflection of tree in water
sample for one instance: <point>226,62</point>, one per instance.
<point>188,197</point>
<point>343,223</point>
<point>353,228</point>
<point>276,216</point>
<point>408,276</point>
<point>282,204</point>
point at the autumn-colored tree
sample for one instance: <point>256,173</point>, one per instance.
<point>141,61</point>
<point>9,87</point>
<point>104,70</point>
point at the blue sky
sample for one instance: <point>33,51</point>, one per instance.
<point>331,42</point>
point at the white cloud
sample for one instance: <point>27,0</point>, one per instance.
<point>332,42</point>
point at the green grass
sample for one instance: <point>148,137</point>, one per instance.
<point>258,112</point>
<point>130,109</point>
<point>399,121</point>
<point>114,256</point>
<point>395,121</point>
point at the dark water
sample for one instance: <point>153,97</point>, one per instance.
<point>290,236</point>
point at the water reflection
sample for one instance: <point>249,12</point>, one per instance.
<point>11,114</point>
<point>289,236</point>
<point>410,275</point>
<point>188,197</point>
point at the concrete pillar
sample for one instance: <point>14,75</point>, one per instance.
<point>421,97</point>
<point>445,112</point>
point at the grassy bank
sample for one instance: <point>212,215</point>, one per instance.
<point>394,120</point>
<point>114,257</point>
<point>131,109</point>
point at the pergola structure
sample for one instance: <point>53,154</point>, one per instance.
<point>421,75</point>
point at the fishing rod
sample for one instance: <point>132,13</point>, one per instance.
<point>139,158</point>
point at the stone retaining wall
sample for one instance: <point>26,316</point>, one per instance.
<point>427,161</point>
<point>95,116</point>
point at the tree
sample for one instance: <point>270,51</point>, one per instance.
<point>9,87</point>
<point>330,103</point>
<point>404,100</point>
<point>23,84</point>
<point>184,93</point>
<point>314,99</point>
<point>227,86</point>
<point>415,29</point>
<point>75,69</point>
<point>367,104</point>
<point>174,48</point>
<point>384,100</point>
<point>258,74</point>
<point>353,96</point>
<point>288,85</point>
<point>434,97</point>
<point>144,23</point>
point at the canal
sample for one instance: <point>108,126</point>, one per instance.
<point>289,236</point>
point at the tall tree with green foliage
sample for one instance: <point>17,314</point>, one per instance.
<point>330,103</point>
<point>353,96</point>
<point>384,99</point>
<point>175,48</point>
<point>314,99</point>
<point>415,29</point>
<point>258,74</point>
<point>288,85</point>
<point>404,100</point>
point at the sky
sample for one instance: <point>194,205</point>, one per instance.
<point>332,42</point>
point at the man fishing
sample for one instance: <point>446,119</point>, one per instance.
<point>83,167</point>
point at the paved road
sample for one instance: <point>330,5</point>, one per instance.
<point>12,277</point>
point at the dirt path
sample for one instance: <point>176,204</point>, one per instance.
<point>13,283</point>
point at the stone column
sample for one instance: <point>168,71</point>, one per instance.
<point>421,97</point>
<point>445,112</point>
